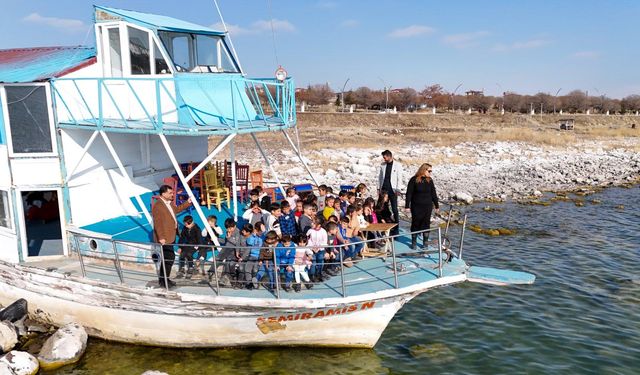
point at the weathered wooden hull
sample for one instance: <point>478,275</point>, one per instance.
<point>159,318</point>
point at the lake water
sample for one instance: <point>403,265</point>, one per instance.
<point>582,315</point>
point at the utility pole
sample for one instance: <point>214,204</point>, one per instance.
<point>386,90</point>
<point>342,93</point>
<point>453,102</point>
<point>555,100</point>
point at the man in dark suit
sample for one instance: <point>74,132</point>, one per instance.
<point>165,229</point>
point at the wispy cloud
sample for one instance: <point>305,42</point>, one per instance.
<point>529,44</point>
<point>256,27</point>
<point>235,30</point>
<point>411,31</point>
<point>64,24</point>
<point>464,40</point>
<point>587,55</point>
<point>278,25</point>
<point>326,4</point>
<point>350,24</point>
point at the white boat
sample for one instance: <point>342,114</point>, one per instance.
<point>87,136</point>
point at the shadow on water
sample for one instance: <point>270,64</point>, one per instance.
<point>581,315</point>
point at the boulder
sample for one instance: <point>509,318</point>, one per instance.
<point>5,369</point>
<point>464,197</point>
<point>8,336</point>
<point>154,372</point>
<point>14,311</point>
<point>21,363</point>
<point>64,347</point>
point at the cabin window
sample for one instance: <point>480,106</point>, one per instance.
<point>29,119</point>
<point>226,62</point>
<point>139,51</point>
<point>207,50</point>
<point>5,213</point>
<point>198,53</point>
<point>115,52</point>
<point>180,49</point>
<point>161,64</point>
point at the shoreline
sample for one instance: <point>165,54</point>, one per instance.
<point>485,171</point>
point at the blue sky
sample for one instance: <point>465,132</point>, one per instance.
<point>521,46</point>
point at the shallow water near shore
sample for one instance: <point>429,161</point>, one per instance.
<point>582,314</point>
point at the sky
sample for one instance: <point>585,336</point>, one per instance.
<point>491,45</point>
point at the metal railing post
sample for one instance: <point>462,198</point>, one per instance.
<point>164,271</point>
<point>84,272</point>
<point>215,269</point>
<point>464,225</point>
<point>393,258</point>
<point>116,262</point>
<point>439,252</point>
<point>446,231</point>
<point>276,274</point>
<point>344,288</point>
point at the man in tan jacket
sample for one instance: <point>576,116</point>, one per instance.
<point>165,229</point>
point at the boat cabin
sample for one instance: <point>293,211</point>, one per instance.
<point>88,134</point>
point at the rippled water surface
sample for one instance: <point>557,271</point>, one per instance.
<point>581,316</point>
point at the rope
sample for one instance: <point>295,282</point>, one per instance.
<point>273,33</point>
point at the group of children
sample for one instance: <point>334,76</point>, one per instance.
<point>302,239</point>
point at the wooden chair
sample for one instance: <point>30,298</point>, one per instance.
<point>215,191</point>
<point>179,194</point>
<point>242,181</point>
<point>255,177</point>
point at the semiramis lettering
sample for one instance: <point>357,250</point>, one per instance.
<point>320,313</point>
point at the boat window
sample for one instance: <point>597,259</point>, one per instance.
<point>226,62</point>
<point>29,119</point>
<point>5,214</point>
<point>139,50</point>
<point>161,64</point>
<point>207,50</point>
<point>115,52</point>
<point>179,47</point>
<point>198,53</point>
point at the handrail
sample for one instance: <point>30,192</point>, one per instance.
<point>156,248</point>
<point>177,109</point>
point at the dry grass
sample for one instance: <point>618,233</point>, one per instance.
<point>375,131</point>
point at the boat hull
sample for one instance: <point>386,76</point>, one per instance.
<point>154,317</point>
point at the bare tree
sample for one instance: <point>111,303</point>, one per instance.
<point>404,99</point>
<point>575,101</point>
<point>513,102</point>
<point>436,96</point>
<point>630,103</point>
<point>318,94</point>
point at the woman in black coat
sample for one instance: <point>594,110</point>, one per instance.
<point>420,200</point>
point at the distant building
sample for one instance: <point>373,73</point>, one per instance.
<point>474,93</point>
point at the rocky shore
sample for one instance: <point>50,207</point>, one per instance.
<point>481,170</point>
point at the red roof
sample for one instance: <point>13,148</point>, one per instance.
<point>42,63</point>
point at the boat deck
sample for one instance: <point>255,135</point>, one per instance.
<point>226,126</point>
<point>367,275</point>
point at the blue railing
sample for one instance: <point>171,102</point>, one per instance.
<point>190,104</point>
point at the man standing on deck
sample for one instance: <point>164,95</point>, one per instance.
<point>389,179</point>
<point>165,229</point>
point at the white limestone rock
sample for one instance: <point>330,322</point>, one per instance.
<point>154,372</point>
<point>5,369</point>
<point>64,347</point>
<point>21,363</point>
<point>8,336</point>
<point>464,197</point>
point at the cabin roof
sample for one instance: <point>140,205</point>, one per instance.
<point>158,22</point>
<point>43,63</point>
